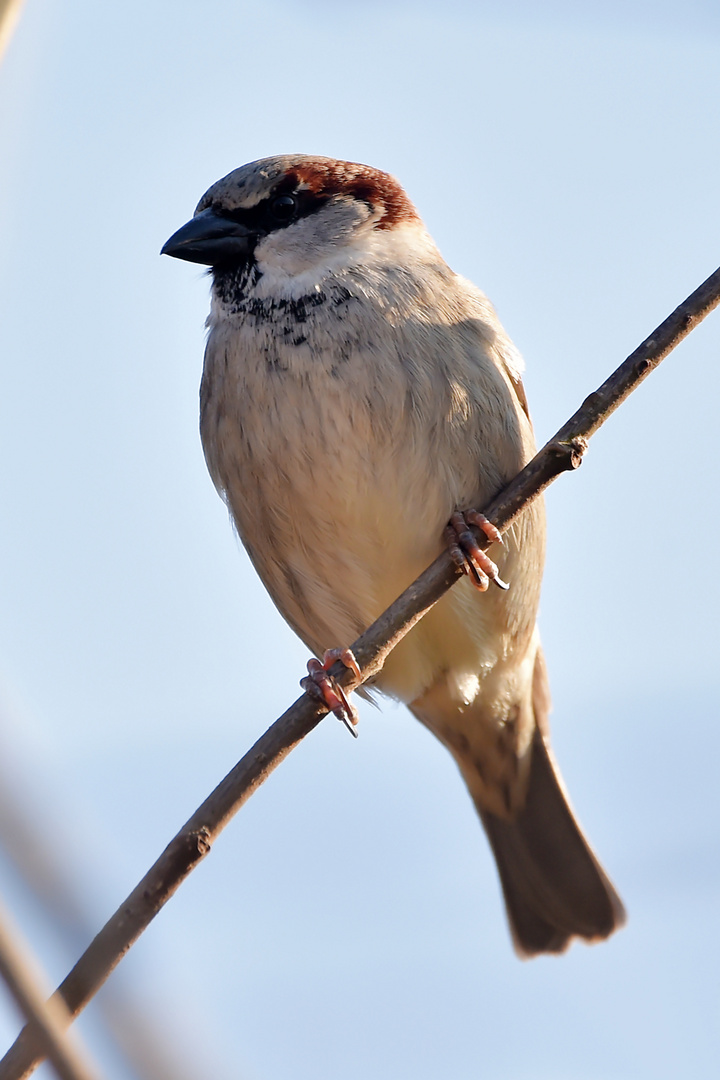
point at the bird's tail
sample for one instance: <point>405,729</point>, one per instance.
<point>554,887</point>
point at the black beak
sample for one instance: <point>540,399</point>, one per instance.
<point>212,240</point>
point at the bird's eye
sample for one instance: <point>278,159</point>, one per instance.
<point>283,208</point>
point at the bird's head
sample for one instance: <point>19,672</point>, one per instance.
<point>296,216</point>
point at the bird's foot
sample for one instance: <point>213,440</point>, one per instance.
<point>322,686</point>
<point>467,553</point>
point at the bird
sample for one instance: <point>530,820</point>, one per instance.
<point>360,402</point>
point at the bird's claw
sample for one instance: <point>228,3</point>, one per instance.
<point>320,684</point>
<point>467,554</point>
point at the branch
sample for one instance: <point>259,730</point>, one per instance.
<point>9,15</point>
<point>37,858</point>
<point>50,1019</point>
<point>562,453</point>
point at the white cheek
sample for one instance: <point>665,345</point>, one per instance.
<point>295,261</point>
<point>319,241</point>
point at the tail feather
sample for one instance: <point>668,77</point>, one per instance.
<point>554,887</point>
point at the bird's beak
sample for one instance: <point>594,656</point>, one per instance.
<point>212,240</point>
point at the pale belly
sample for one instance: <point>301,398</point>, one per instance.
<point>340,513</point>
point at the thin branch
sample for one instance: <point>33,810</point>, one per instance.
<point>37,858</point>
<point>50,1019</point>
<point>9,15</point>
<point>563,452</point>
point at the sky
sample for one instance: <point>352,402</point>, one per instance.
<point>348,923</point>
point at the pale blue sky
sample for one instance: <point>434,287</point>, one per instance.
<point>348,923</point>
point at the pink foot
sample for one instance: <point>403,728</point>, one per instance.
<point>322,686</point>
<point>467,553</point>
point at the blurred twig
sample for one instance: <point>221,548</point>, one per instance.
<point>563,452</point>
<point>47,1019</point>
<point>37,859</point>
<point>9,15</point>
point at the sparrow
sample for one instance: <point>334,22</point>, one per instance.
<point>357,396</point>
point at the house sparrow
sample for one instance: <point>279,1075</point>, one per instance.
<point>356,395</point>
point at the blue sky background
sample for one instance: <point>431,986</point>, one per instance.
<point>348,923</point>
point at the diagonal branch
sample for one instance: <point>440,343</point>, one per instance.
<point>38,859</point>
<point>50,1019</point>
<point>9,15</point>
<point>562,453</point>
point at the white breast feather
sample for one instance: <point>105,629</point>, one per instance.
<point>341,453</point>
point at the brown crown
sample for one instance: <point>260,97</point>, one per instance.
<point>378,189</point>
